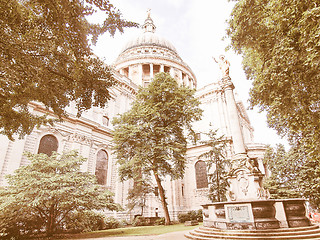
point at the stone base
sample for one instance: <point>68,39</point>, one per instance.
<point>205,233</point>
<point>256,215</point>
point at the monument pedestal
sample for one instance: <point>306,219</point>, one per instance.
<point>256,214</point>
<point>257,219</point>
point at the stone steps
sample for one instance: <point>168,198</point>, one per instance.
<point>204,233</point>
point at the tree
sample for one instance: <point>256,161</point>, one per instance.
<point>150,139</point>
<point>284,167</point>
<point>293,174</point>
<point>46,57</point>
<point>308,180</point>
<point>43,194</point>
<point>216,157</point>
<point>279,41</point>
<point>137,195</point>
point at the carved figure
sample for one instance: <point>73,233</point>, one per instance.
<point>223,65</point>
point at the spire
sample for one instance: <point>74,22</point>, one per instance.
<point>148,25</point>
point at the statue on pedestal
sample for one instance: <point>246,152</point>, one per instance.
<point>223,65</point>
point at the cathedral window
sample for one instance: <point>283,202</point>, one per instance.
<point>201,174</point>
<point>102,167</point>
<point>166,69</point>
<point>48,144</point>
<point>126,71</point>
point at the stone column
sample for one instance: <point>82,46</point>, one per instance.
<point>130,72</point>
<point>161,68</point>
<point>140,74</point>
<point>180,78</point>
<point>235,127</point>
<point>186,80</point>
<point>171,71</point>
<point>151,71</point>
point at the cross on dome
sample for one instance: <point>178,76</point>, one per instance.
<point>148,25</point>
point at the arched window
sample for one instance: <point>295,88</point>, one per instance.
<point>102,167</point>
<point>201,174</point>
<point>48,144</point>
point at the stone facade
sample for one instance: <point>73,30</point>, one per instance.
<point>91,134</point>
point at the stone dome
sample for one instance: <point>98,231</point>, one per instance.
<point>149,39</point>
<point>147,54</point>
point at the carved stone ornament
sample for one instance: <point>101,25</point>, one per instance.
<point>243,182</point>
<point>56,131</point>
<point>250,164</point>
<point>263,193</point>
<point>79,138</point>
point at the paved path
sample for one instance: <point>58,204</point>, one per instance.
<point>167,236</point>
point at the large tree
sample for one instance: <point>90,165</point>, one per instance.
<point>284,167</point>
<point>216,159</point>
<point>279,41</point>
<point>46,56</point>
<point>308,181</point>
<point>293,174</point>
<point>45,193</point>
<point>151,138</point>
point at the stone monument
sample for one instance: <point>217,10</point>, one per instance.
<point>249,212</point>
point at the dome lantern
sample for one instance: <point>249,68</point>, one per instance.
<point>148,25</point>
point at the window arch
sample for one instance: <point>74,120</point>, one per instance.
<point>201,174</point>
<point>102,167</point>
<point>48,144</point>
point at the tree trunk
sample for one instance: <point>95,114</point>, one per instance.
<point>51,222</point>
<point>163,198</point>
<point>142,208</point>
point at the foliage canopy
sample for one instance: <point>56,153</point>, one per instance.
<point>279,41</point>
<point>46,57</point>
<point>284,173</point>
<point>45,193</point>
<point>293,174</point>
<point>151,138</point>
<point>280,44</point>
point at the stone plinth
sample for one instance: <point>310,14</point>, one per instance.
<point>256,214</point>
<point>295,212</point>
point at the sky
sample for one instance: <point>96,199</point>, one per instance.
<point>196,28</point>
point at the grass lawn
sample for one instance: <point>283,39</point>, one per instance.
<point>131,231</point>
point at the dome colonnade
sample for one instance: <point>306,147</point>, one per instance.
<point>144,56</point>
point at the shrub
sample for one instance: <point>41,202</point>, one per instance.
<point>191,215</point>
<point>183,217</point>
<point>16,222</point>
<point>111,223</point>
<point>199,215</point>
<point>124,223</point>
<point>160,221</point>
<point>84,221</point>
<point>139,221</point>
<point>147,221</point>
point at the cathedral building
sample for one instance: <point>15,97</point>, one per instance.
<point>91,134</point>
